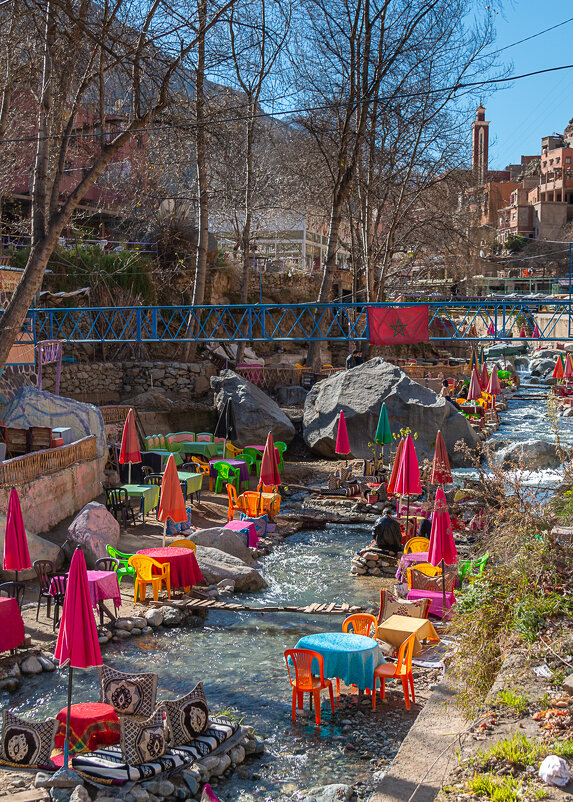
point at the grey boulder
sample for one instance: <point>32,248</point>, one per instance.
<point>93,528</point>
<point>216,565</point>
<point>541,367</point>
<point>39,548</point>
<point>256,414</point>
<point>361,391</point>
<point>224,540</point>
<point>531,455</point>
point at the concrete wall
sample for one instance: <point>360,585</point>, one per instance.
<point>48,500</point>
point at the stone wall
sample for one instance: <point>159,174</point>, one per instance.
<point>112,382</point>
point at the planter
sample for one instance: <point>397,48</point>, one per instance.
<point>372,498</point>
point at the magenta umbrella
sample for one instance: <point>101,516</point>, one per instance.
<point>474,391</point>
<point>78,644</point>
<point>16,554</point>
<point>342,443</point>
<point>493,387</point>
<point>442,549</point>
<point>408,477</point>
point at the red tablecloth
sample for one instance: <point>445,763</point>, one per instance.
<point>102,584</point>
<point>92,725</point>
<point>184,566</point>
<point>11,625</point>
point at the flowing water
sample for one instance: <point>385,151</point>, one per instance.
<point>240,657</point>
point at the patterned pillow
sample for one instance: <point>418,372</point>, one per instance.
<point>143,741</point>
<point>128,694</point>
<point>392,605</point>
<point>188,717</point>
<point>27,743</point>
<point>261,523</point>
<point>434,583</point>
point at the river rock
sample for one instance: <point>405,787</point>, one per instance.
<point>531,455</point>
<point>31,665</point>
<point>92,529</point>
<point>154,616</point>
<point>336,792</point>
<point>256,414</point>
<point>225,540</point>
<point>216,565</point>
<point>542,367</point>
<point>32,407</point>
<point>172,617</point>
<point>360,393</point>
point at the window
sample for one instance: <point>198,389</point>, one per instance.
<point>568,160</point>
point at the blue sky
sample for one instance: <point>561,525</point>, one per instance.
<point>533,107</point>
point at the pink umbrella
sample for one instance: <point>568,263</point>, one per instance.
<point>490,330</point>
<point>269,467</point>
<point>493,386</point>
<point>442,549</point>
<point>536,333</point>
<point>342,443</point>
<point>522,331</point>
<point>474,391</point>
<point>484,377</point>
<point>441,471</point>
<point>16,554</point>
<point>77,645</point>
<point>408,477</point>
<point>568,367</point>
<point>129,443</point>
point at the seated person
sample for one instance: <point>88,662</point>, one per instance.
<point>387,533</point>
<point>425,526</point>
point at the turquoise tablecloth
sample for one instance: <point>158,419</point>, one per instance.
<point>351,658</point>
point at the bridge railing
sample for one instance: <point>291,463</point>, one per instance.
<point>470,319</point>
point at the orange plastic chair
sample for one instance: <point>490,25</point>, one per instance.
<point>416,544</point>
<point>402,670</point>
<point>250,504</point>
<point>267,488</point>
<point>233,502</point>
<point>305,682</point>
<point>233,451</point>
<point>183,543</point>
<point>144,573</point>
<point>202,466</point>
<point>361,624</point>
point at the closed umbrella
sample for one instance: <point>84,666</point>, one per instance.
<point>342,443</point>
<point>568,372</point>
<point>129,443</point>
<point>474,363</point>
<point>522,333</point>
<point>226,426</point>
<point>474,391</point>
<point>536,333</point>
<point>484,376</point>
<point>383,434</point>
<point>491,330</point>
<point>171,501</point>
<point>390,487</point>
<point>558,371</point>
<point>481,356</point>
<point>442,549</point>
<point>77,645</point>
<point>493,386</point>
<point>16,554</point>
<point>441,471</point>
<point>408,477</point>
<point>269,467</point>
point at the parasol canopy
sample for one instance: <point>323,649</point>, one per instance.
<point>171,501</point>
<point>269,467</point>
<point>342,443</point>
<point>474,391</point>
<point>536,333</point>
<point>522,331</point>
<point>78,645</point>
<point>568,373</point>
<point>484,376</point>
<point>383,434</point>
<point>408,477</point>
<point>474,362</point>
<point>441,471</point>
<point>558,371</point>
<point>442,546</point>
<point>392,481</point>
<point>16,554</point>
<point>129,451</point>
<point>493,386</point>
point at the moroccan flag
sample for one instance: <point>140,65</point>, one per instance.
<point>387,326</point>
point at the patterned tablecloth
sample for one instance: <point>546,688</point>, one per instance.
<point>11,625</point>
<point>92,725</point>
<point>185,569</point>
<point>351,658</point>
<point>149,494</point>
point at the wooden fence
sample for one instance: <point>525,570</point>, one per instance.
<point>28,467</point>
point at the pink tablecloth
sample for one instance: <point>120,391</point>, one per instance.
<point>437,601</point>
<point>244,526</point>
<point>414,557</point>
<point>262,448</point>
<point>185,569</point>
<point>11,625</point>
<point>104,585</point>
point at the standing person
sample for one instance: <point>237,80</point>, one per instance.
<point>387,534</point>
<point>350,361</point>
<point>454,289</point>
<point>358,358</point>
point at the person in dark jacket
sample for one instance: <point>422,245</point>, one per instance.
<point>425,526</point>
<point>387,534</point>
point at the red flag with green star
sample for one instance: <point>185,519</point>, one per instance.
<point>387,326</point>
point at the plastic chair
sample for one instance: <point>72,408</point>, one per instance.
<point>233,451</point>
<point>282,447</point>
<point>183,543</point>
<point>58,584</point>
<point>416,544</point>
<point>14,590</point>
<point>200,466</point>
<point>44,572</point>
<point>305,682</point>
<point>226,473</point>
<point>144,573</point>
<point>124,568</point>
<point>106,564</point>
<point>402,670</point>
<point>267,488</point>
<point>249,460</point>
<point>205,437</point>
<point>233,505</point>
<point>254,507</point>
<point>361,624</point>
<point>472,569</point>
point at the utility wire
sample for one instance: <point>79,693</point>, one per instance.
<point>527,38</point>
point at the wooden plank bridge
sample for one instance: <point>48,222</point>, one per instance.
<point>231,607</point>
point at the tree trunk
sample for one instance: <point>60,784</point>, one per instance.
<point>246,231</point>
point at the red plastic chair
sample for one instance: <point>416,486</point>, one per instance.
<point>305,682</point>
<point>402,670</point>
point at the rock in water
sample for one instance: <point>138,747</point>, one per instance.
<point>360,393</point>
<point>92,529</point>
<point>32,407</point>
<point>215,566</point>
<point>535,455</point>
<point>225,540</point>
<point>255,413</point>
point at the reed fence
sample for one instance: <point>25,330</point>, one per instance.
<point>19,470</point>
<point>114,413</point>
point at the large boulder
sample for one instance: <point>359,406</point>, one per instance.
<point>38,548</point>
<point>535,455</point>
<point>93,528</point>
<point>542,367</point>
<point>224,540</point>
<point>255,413</point>
<point>360,393</point>
<point>216,565</point>
<point>32,407</point>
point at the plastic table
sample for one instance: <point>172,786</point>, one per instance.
<point>351,658</point>
<point>397,628</point>
<point>165,454</point>
<point>206,450</point>
<point>11,625</point>
<point>92,725</point>
<point>185,569</point>
<point>244,526</point>
<point>194,482</point>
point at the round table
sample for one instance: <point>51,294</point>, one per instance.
<point>185,569</point>
<point>92,725</point>
<point>351,658</point>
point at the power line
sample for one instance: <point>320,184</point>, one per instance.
<point>305,109</point>
<point>527,38</point>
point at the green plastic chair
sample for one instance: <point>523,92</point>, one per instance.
<point>472,569</point>
<point>249,460</point>
<point>256,456</point>
<point>124,569</point>
<point>227,474</point>
<point>282,447</point>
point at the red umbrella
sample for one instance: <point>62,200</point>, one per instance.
<point>129,443</point>
<point>490,330</point>
<point>558,372</point>
<point>493,386</point>
<point>474,391</point>
<point>77,645</point>
<point>269,467</point>
<point>408,477</point>
<point>522,331</point>
<point>342,443</point>
<point>390,487</point>
<point>484,377</point>
<point>16,554</point>
<point>536,333</point>
<point>568,373</point>
<point>442,549</point>
<point>441,472</point>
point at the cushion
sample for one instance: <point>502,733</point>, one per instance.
<point>392,605</point>
<point>420,581</point>
<point>27,743</point>
<point>260,522</point>
<point>128,694</point>
<point>143,741</point>
<point>187,717</point>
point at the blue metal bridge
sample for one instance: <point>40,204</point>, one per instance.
<point>450,320</point>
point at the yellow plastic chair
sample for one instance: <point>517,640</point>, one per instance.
<point>144,573</point>
<point>183,543</point>
<point>424,568</point>
<point>416,544</point>
<point>232,451</point>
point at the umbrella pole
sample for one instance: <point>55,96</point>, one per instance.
<point>164,533</point>
<point>260,499</point>
<point>68,717</point>
<point>407,516</point>
<point>444,585</point>
<point>129,474</point>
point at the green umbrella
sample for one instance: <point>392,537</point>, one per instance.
<point>383,434</point>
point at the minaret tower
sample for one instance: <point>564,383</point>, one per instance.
<point>480,141</point>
